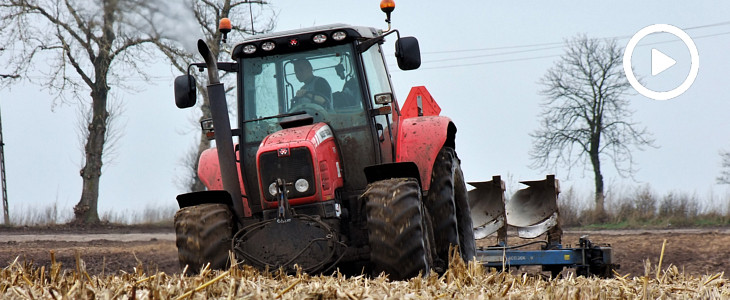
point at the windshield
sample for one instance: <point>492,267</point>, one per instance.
<point>320,82</point>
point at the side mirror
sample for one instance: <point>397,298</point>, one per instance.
<point>185,91</point>
<point>408,53</point>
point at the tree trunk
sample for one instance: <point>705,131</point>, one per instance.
<point>600,211</point>
<point>85,212</point>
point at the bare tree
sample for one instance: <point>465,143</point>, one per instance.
<point>80,46</point>
<point>725,173</point>
<point>8,76</point>
<point>248,17</point>
<point>586,116</point>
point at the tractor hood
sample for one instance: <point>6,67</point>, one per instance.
<point>306,153</point>
<point>314,133</point>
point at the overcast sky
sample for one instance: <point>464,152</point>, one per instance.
<point>482,62</point>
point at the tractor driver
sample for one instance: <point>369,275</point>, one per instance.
<point>315,88</point>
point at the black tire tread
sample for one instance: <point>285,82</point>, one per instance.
<point>203,235</point>
<point>396,233</point>
<point>448,205</point>
<point>467,243</point>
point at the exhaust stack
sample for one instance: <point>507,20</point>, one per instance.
<point>223,136</point>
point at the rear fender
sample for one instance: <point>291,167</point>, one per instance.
<point>209,173</point>
<point>392,170</point>
<point>420,139</point>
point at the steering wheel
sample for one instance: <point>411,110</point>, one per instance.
<point>309,97</point>
<point>318,112</point>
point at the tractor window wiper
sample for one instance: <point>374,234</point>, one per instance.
<point>277,116</point>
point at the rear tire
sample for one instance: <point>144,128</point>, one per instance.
<point>448,206</point>
<point>467,243</point>
<point>203,235</point>
<point>397,234</point>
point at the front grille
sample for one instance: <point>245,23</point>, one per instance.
<point>290,168</point>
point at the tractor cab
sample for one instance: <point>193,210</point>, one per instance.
<point>328,74</point>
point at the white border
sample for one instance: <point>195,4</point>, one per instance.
<point>694,68</point>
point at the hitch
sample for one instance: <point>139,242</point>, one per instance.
<point>284,215</point>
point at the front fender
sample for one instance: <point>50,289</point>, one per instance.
<point>204,197</point>
<point>209,170</point>
<point>209,173</point>
<point>420,139</point>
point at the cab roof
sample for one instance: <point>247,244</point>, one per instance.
<point>304,35</point>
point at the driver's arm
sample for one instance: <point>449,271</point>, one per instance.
<point>322,91</point>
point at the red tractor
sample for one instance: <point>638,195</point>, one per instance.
<point>326,170</point>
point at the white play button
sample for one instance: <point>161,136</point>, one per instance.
<point>660,62</point>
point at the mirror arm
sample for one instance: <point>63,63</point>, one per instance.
<point>229,67</point>
<point>365,45</point>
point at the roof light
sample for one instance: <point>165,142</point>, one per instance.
<point>249,49</point>
<point>225,27</point>
<point>339,35</point>
<point>319,38</point>
<point>387,6</point>
<point>268,46</point>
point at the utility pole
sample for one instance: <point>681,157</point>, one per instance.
<point>2,160</point>
<point>2,176</point>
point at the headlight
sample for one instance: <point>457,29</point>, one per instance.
<point>272,189</point>
<point>320,38</point>
<point>339,35</point>
<point>249,49</point>
<point>301,185</point>
<point>268,46</point>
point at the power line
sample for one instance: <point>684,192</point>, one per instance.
<point>694,38</point>
<point>493,48</point>
<point>495,54</point>
<point>559,43</point>
<point>708,25</point>
<point>549,56</point>
<point>542,47</point>
<point>125,79</point>
<point>490,62</point>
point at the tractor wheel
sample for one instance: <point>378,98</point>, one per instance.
<point>397,234</point>
<point>203,235</point>
<point>467,243</point>
<point>448,206</point>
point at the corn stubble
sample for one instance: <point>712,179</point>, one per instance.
<point>462,281</point>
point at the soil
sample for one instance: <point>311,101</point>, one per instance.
<point>107,249</point>
<point>116,249</point>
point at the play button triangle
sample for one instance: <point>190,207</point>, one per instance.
<point>660,62</point>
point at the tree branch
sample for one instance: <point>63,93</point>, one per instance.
<point>25,5</point>
<point>584,113</point>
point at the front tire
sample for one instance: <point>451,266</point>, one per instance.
<point>448,205</point>
<point>203,235</point>
<point>397,234</point>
